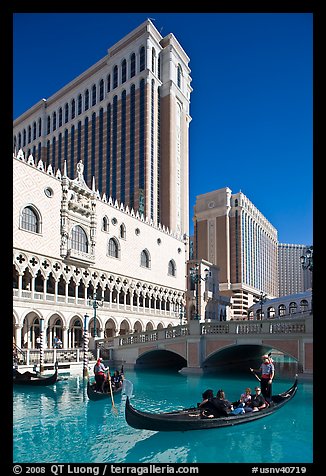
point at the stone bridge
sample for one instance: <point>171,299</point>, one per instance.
<point>203,346</point>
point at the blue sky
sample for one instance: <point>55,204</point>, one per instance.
<point>251,105</point>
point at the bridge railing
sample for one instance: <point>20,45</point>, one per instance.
<point>300,325</point>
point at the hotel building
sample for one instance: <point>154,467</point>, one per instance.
<point>231,233</point>
<point>127,119</point>
<point>293,278</point>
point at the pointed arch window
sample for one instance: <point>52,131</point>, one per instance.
<point>123,231</point>
<point>30,220</point>
<point>172,268</point>
<point>79,239</point>
<point>105,224</point>
<point>145,259</point>
<point>113,248</point>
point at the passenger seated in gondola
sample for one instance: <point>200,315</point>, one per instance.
<point>117,380</point>
<point>258,402</point>
<point>216,407</point>
<point>244,402</point>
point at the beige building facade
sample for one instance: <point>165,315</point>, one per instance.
<point>70,244</point>
<point>230,232</point>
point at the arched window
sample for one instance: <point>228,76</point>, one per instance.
<point>93,95</point>
<point>39,127</point>
<point>145,259</point>
<point>86,99</point>
<point>281,310</point>
<point>34,130</point>
<point>79,104</point>
<point>101,90</point>
<point>105,224</point>
<point>30,220</point>
<point>303,305</point>
<point>171,268</point>
<point>123,231</point>
<point>113,248</point>
<point>48,126</point>
<point>142,59</point>
<point>60,117</point>
<point>132,65</point>
<point>179,75</point>
<point>79,240</point>
<point>153,60</point>
<point>73,109</point>
<point>108,83</point>
<point>29,134</point>
<point>124,71</point>
<point>115,77</point>
<point>293,307</point>
<point>66,113</point>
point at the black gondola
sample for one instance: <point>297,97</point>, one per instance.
<point>190,419</point>
<point>34,379</point>
<point>94,395</point>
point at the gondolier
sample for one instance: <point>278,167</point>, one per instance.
<point>267,374</point>
<point>99,372</point>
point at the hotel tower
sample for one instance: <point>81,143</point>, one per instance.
<point>233,234</point>
<point>127,119</point>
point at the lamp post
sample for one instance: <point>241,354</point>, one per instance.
<point>262,299</point>
<point>85,335</point>
<point>196,277</point>
<point>95,303</point>
<point>307,261</point>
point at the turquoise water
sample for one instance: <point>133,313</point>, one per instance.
<point>60,424</point>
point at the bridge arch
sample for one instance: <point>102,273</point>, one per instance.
<point>160,358</point>
<point>241,357</point>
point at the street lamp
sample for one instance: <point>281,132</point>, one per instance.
<point>262,299</point>
<point>196,277</point>
<point>95,303</point>
<point>307,259</point>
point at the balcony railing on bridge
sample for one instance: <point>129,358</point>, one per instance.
<point>291,325</point>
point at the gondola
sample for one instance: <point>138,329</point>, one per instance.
<point>34,379</point>
<point>190,419</point>
<point>94,395</point>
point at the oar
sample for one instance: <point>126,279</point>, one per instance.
<point>114,409</point>
<point>252,371</point>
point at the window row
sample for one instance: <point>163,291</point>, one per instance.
<point>89,98</point>
<point>31,221</point>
